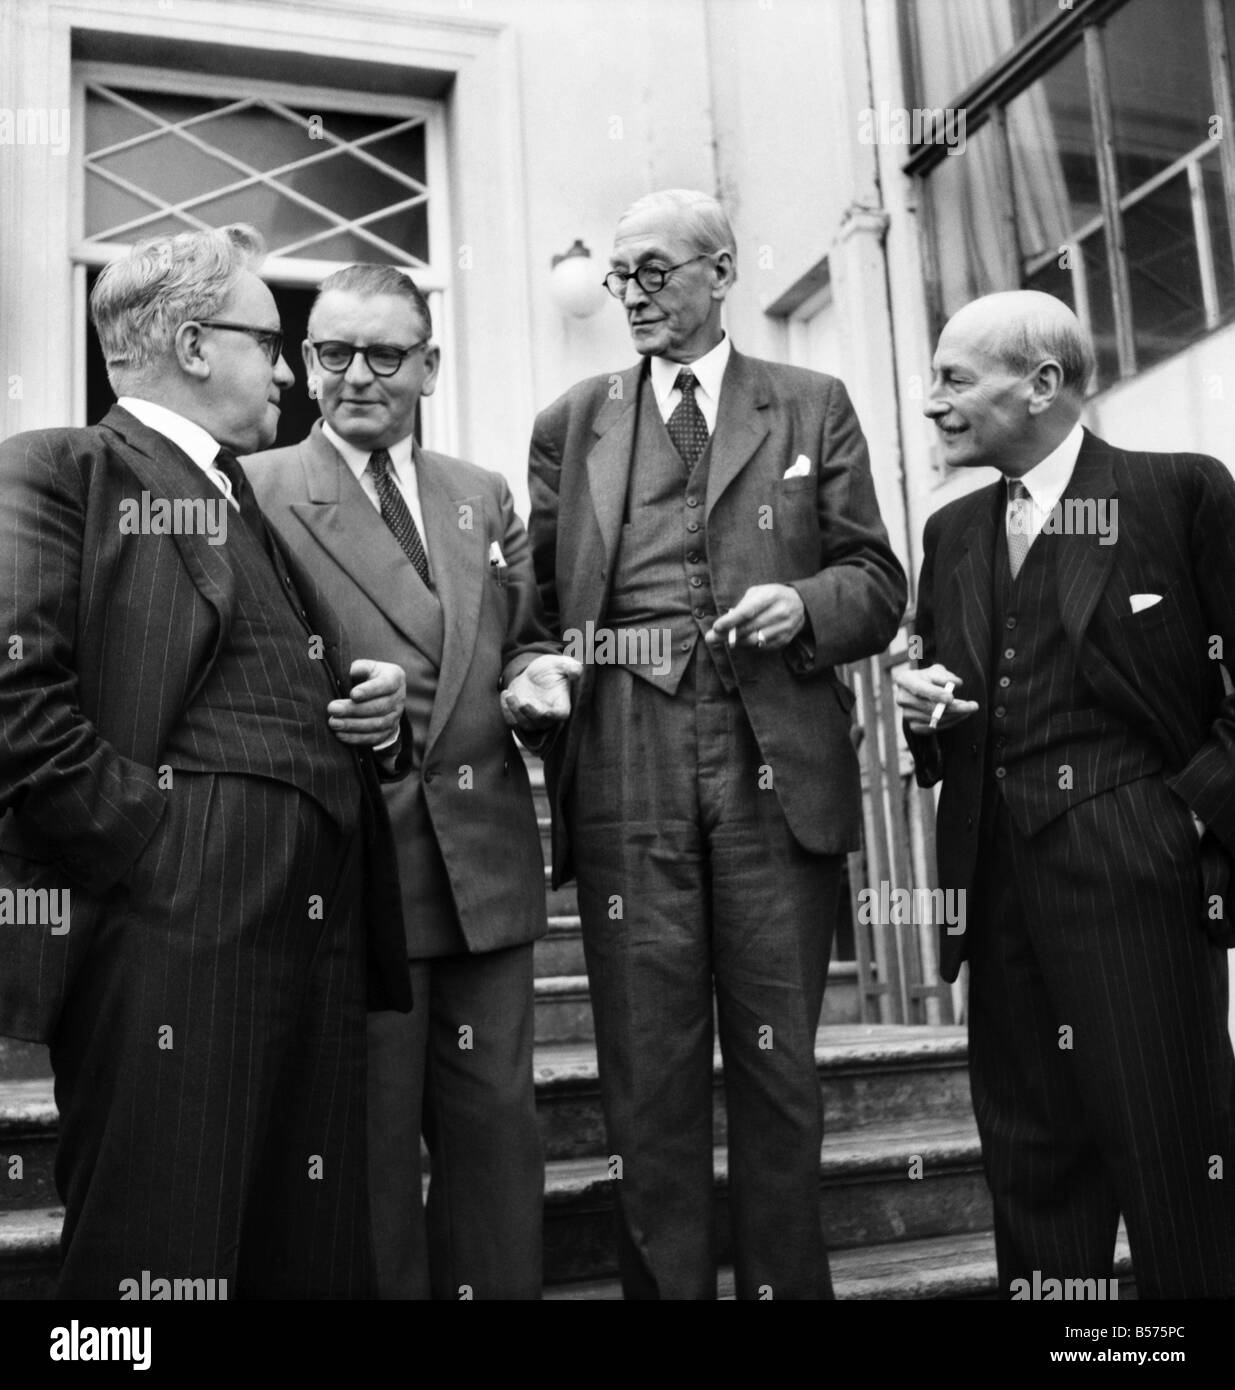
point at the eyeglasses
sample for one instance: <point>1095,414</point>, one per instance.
<point>382,359</point>
<point>271,339</point>
<point>650,278</point>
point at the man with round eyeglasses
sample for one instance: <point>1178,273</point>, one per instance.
<point>718,511</point>
<point>425,556</point>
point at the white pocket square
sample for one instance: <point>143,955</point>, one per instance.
<point>495,555</point>
<point>800,469</point>
<point>1142,601</point>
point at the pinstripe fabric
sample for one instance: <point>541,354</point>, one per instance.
<point>1103,1077</point>
<point>190,902</point>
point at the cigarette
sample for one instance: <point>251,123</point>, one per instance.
<point>733,636</point>
<point>937,712</point>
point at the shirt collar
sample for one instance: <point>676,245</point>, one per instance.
<point>708,371</point>
<point>200,446</point>
<point>1046,481</point>
<point>358,459</point>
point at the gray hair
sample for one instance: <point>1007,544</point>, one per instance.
<point>706,226</point>
<point>141,299</point>
<point>366,280</point>
<point>1034,339</point>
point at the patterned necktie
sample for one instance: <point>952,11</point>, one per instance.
<point>396,515</point>
<point>1018,522</point>
<point>687,427</point>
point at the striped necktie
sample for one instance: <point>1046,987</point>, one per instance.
<point>396,515</point>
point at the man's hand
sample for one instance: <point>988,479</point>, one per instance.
<point>921,693</point>
<point>768,616</point>
<point>370,716</point>
<point>540,694</point>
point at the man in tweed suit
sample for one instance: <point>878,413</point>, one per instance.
<point>722,522</point>
<point>180,753</point>
<point>423,558</point>
<point>1072,620</point>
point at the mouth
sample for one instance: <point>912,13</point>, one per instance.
<point>951,431</point>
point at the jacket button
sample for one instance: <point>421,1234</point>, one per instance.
<point>1001,773</point>
<point>429,776</point>
<point>968,822</point>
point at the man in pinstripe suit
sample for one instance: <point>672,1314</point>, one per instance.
<point>178,751</point>
<point>1072,618</point>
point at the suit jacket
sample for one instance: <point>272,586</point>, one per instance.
<point>821,532</point>
<point>117,633</point>
<point>472,780</point>
<point>1159,670</point>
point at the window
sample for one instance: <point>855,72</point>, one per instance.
<point>327,177</point>
<point>1094,164</point>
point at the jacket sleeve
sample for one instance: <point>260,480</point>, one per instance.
<point>1207,780</point>
<point>855,601</point>
<point>75,796</point>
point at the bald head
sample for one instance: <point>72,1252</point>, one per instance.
<point>1010,374</point>
<point>1023,329</point>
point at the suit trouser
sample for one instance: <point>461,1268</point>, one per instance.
<point>1100,1062</point>
<point>210,1061</point>
<point>458,1069</point>
<point>689,877</point>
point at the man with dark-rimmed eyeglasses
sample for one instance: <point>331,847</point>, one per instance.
<point>424,556</point>
<point>185,757</point>
<point>714,515</point>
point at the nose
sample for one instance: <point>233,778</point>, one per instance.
<point>283,374</point>
<point>933,407</point>
<point>633,295</point>
<point>358,370</point>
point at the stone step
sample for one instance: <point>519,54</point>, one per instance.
<point>867,1195</point>
<point>564,1007</point>
<point>29,1252</point>
<point>19,1061</point>
<point>870,1076</point>
<point>560,902</point>
<point>27,1144</point>
<point>951,1266</point>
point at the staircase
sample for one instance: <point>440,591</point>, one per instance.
<point>904,1202</point>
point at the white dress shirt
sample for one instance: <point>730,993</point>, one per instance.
<point>201,447</point>
<point>402,467</point>
<point>708,371</point>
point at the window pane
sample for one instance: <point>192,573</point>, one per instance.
<point>970,246</point>
<point>1058,207</point>
<point>1161,96</point>
<point>1168,309</point>
<point>1219,213</point>
<point>958,40</point>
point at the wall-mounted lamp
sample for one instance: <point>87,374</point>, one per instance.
<point>575,280</point>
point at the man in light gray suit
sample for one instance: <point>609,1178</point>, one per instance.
<point>425,560</point>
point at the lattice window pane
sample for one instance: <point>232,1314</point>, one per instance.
<point>333,186</point>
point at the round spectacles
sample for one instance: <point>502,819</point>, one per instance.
<point>382,359</point>
<point>271,339</point>
<point>650,278</point>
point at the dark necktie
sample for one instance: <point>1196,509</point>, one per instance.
<point>396,515</point>
<point>687,427</point>
<point>1019,514</point>
<point>250,513</point>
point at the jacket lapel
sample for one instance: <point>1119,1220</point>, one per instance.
<point>973,577</point>
<point>740,427</point>
<point>456,540</point>
<point>351,530</point>
<point>608,472</point>
<point>1084,563</point>
<point>164,470</point>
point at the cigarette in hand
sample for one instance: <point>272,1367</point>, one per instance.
<point>937,712</point>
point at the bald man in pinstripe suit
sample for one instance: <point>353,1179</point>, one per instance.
<point>179,753</point>
<point>1072,618</point>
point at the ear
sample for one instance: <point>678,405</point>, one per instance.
<point>1045,386</point>
<point>724,273</point>
<point>306,356</point>
<point>433,361</point>
<point>187,350</point>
